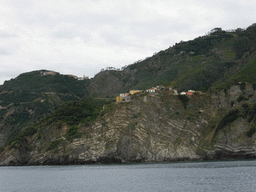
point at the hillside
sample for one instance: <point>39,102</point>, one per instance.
<point>44,81</point>
<point>210,61</point>
<point>32,96</point>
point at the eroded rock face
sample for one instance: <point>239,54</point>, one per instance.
<point>150,128</point>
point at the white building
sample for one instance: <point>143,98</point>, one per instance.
<point>175,92</point>
<point>151,90</point>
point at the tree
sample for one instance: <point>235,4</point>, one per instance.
<point>216,31</point>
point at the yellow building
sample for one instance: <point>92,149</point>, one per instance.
<point>119,98</point>
<point>132,92</point>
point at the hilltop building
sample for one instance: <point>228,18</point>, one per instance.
<point>74,76</point>
<point>190,92</point>
<point>79,78</point>
<point>123,97</point>
<point>132,92</point>
<point>174,91</point>
<point>151,90</point>
<point>159,87</point>
<point>48,73</point>
<point>83,78</point>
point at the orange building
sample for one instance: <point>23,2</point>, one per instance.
<point>119,98</point>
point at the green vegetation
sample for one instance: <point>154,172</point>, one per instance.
<point>252,113</point>
<point>210,61</point>
<point>228,118</point>
<point>76,112</point>
<point>32,96</point>
<point>18,117</point>
<point>168,76</point>
<point>244,111</point>
<point>251,132</point>
<point>244,44</point>
<point>73,133</point>
<point>202,45</point>
<point>132,126</point>
<point>229,55</point>
<point>240,98</point>
<point>137,115</point>
<point>54,144</point>
<point>17,97</point>
<point>71,113</point>
<point>36,82</point>
<point>184,99</point>
<point>107,108</point>
<point>247,73</point>
<point>245,41</point>
<point>22,136</point>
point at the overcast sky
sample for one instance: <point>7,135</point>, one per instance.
<point>81,37</point>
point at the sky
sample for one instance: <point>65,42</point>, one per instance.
<point>81,37</point>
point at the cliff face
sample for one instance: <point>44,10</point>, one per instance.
<point>150,128</point>
<point>146,129</point>
<point>233,127</point>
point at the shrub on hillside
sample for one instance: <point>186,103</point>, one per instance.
<point>228,118</point>
<point>184,99</point>
<point>75,112</point>
<point>251,132</point>
<point>53,144</point>
<point>252,113</point>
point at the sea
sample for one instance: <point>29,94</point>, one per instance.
<point>186,176</point>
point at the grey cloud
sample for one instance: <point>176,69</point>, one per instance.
<point>86,20</point>
<point>9,47</point>
<point>23,4</point>
<point>159,27</point>
<point>131,25</point>
<point>143,30</point>
<point>50,20</point>
<point>4,52</point>
<point>118,39</point>
<point>7,74</point>
<point>4,34</point>
<point>99,19</point>
<point>69,31</point>
<point>66,34</point>
<point>81,1</point>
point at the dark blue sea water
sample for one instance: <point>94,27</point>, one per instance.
<point>194,176</point>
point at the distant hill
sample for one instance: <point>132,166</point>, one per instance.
<point>46,81</point>
<point>211,61</point>
<point>32,96</point>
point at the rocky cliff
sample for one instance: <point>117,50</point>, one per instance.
<point>151,128</point>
